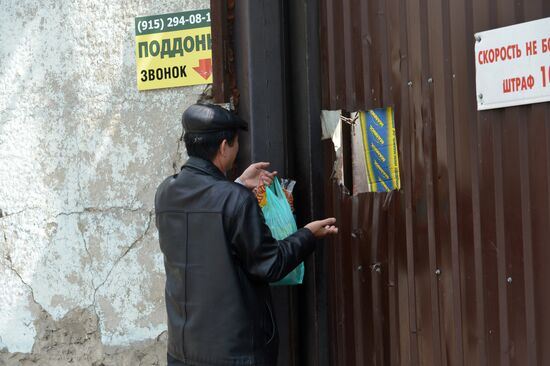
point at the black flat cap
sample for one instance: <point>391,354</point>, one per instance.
<point>204,118</point>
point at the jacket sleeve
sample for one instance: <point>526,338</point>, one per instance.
<point>263,257</point>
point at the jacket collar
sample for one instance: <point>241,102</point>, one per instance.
<point>204,166</point>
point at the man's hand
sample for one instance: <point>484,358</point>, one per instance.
<point>322,228</point>
<point>255,174</point>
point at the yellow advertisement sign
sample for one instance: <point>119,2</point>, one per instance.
<point>173,50</point>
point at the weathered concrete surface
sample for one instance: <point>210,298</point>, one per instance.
<point>81,153</point>
<point>75,340</point>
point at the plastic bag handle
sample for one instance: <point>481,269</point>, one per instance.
<point>277,188</point>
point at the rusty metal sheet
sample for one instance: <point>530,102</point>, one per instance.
<point>224,87</point>
<point>452,269</point>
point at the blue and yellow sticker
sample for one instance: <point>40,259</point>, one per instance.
<point>380,146</point>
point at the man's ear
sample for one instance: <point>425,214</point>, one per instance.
<point>223,147</point>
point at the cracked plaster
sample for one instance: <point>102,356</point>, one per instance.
<point>82,152</point>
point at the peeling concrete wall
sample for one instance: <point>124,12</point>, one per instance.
<point>81,153</point>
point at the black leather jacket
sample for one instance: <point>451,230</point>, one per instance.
<point>219,258</point>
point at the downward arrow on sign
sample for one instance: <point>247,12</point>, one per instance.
<point>205,68</point>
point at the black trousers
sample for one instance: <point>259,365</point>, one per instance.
<point>173,361</point>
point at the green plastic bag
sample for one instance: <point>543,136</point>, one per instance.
<point>280,219</point>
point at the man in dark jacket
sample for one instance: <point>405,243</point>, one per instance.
<point>219,254</point>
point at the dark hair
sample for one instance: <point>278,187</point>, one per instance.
<point>205,145</point>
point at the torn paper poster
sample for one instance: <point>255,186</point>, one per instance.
<point>375,152</point>
<point>338,167</point>
<point>358,162</point>
<point>329,122</point>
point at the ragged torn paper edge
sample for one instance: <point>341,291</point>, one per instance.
<point>329,122</point>
<point>332,128</point>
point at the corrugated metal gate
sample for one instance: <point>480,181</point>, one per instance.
<point>453,269</point>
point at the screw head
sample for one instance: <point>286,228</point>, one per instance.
<point>509,280</point>
<point>478,38</point>
<point>480,96</point>
<point>437,272</point>
<point>430,80</point>
<point>410,83</point>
